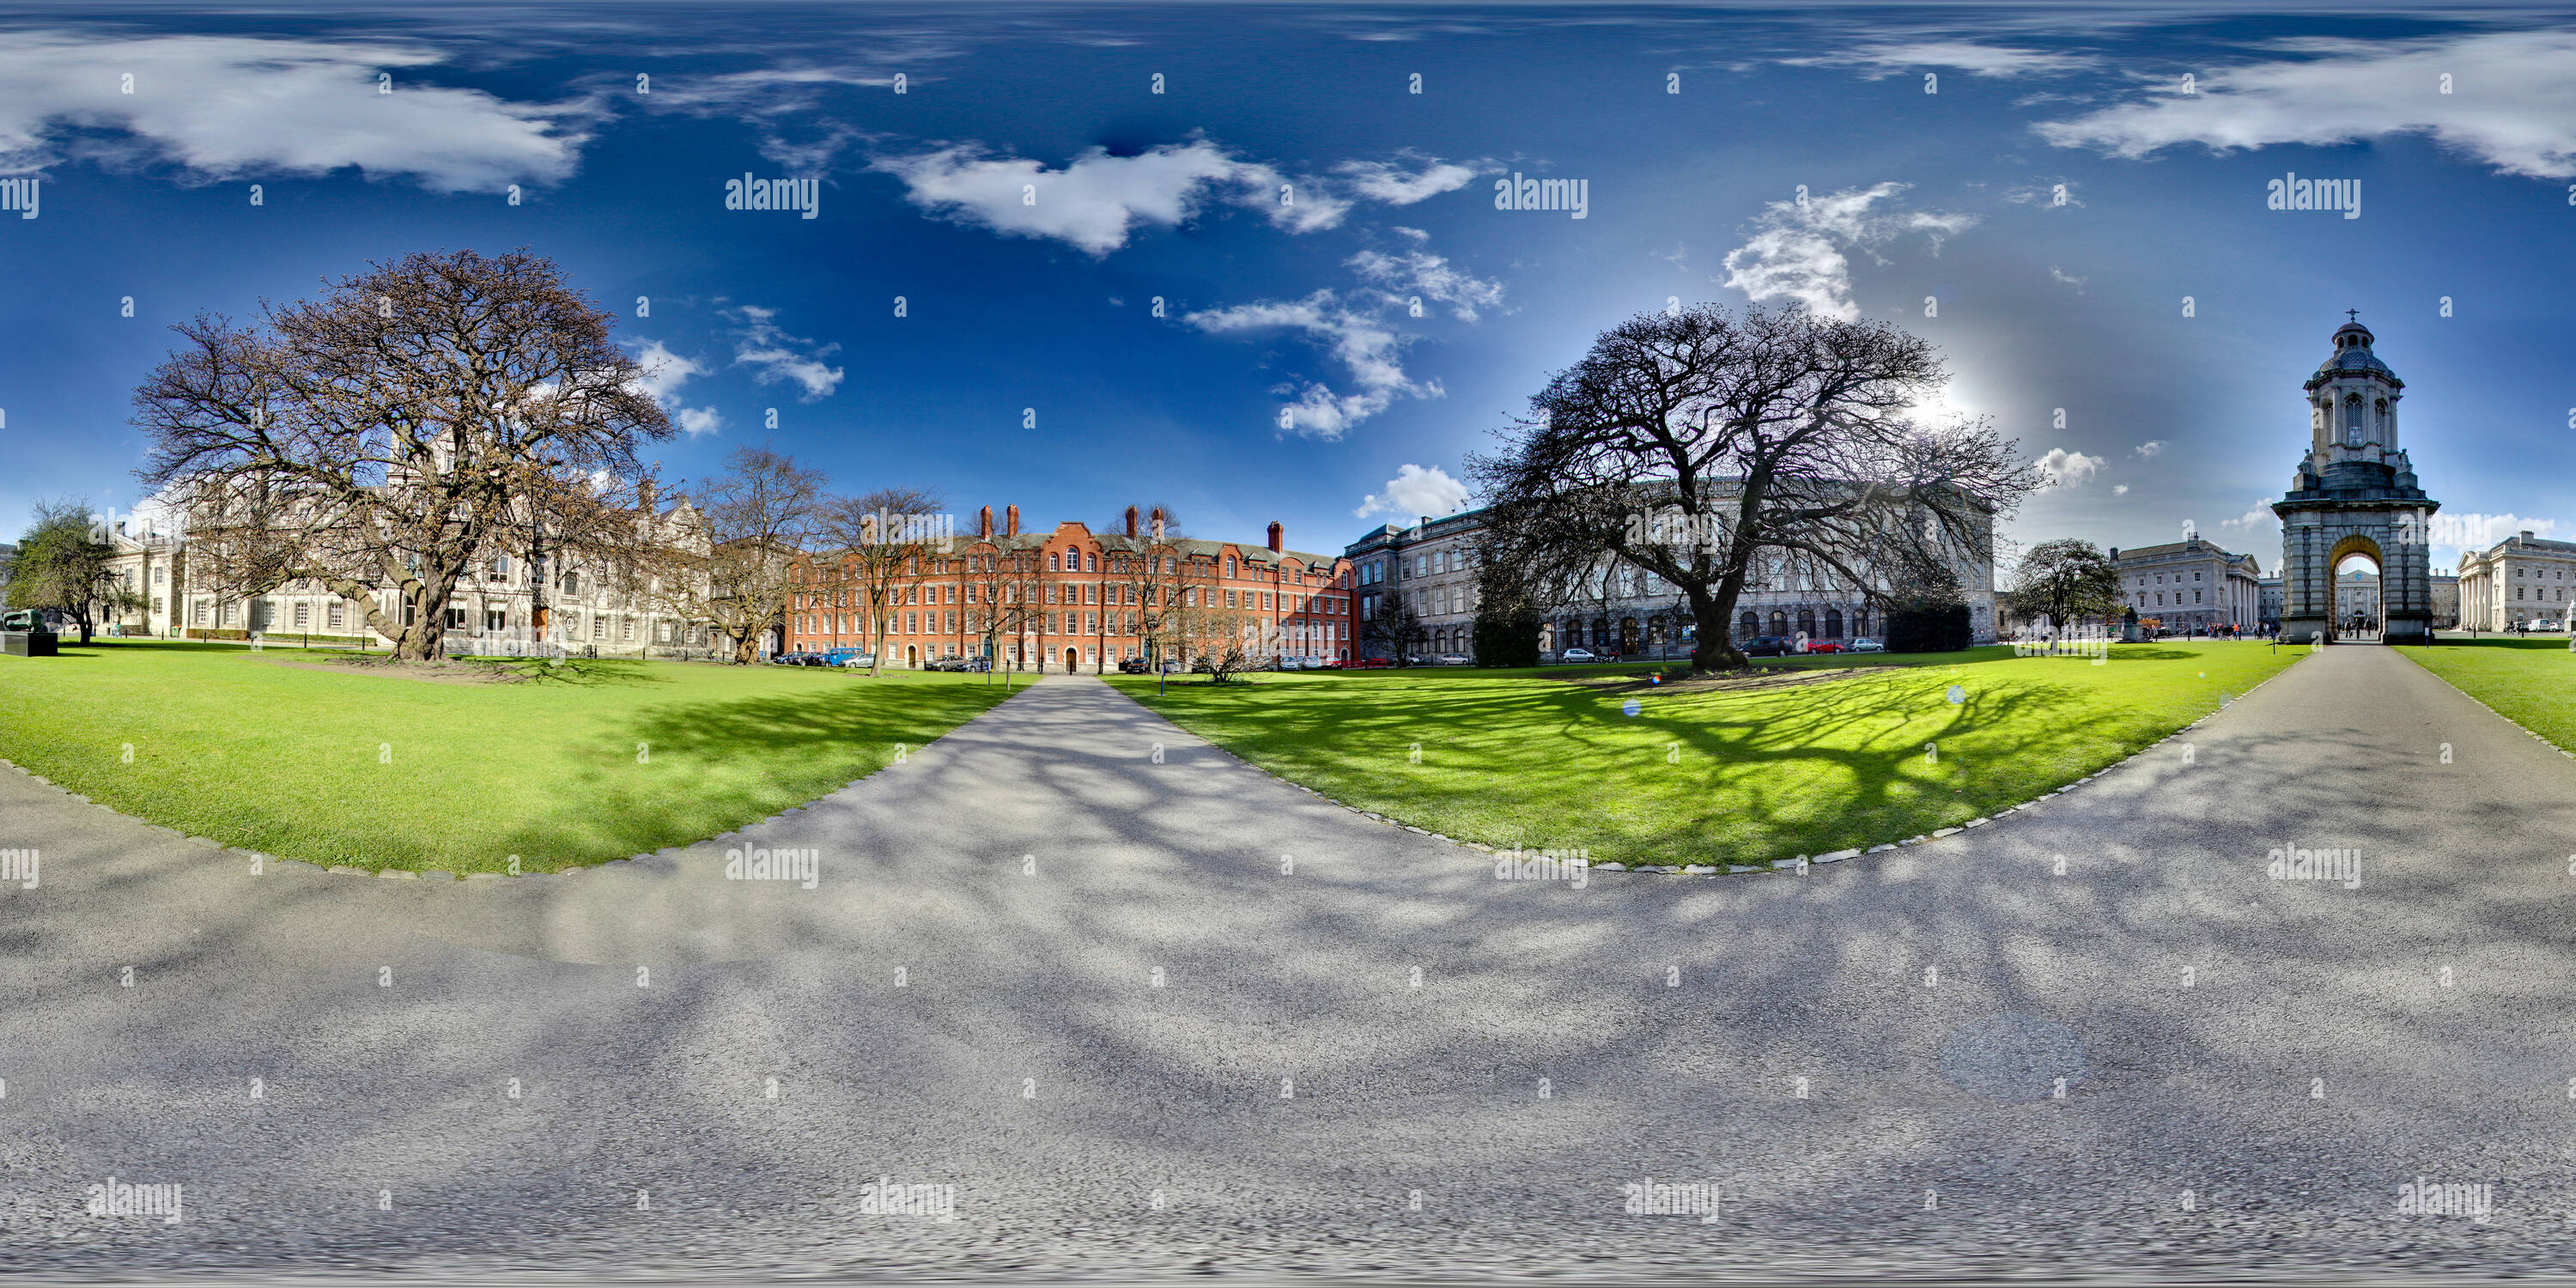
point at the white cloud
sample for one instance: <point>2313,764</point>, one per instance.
<point>2062,468</point>
<point>2148,449</point>
<point>2062,275</point>
<point>2119,489</point>
<point>2479,531</point>
<point>1430,276</point>
<point>1888,58</point>
<point>1097,201</point>
<point>2254,518</point>
<point>1388,182</point>
<point>2514,105</point>
<point>228,107</point>
<point>1367,349</point>
<point>1414,492</point>
<point>662,375</point>
<point>773,355</point>
<point>1798,250</point>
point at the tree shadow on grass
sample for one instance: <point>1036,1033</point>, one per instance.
<point>676,774</point>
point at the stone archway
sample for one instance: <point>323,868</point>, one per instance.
<point>2339,617</point>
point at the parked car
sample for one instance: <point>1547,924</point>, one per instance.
<point>1455,659</point>
<point>1578,655</point>
<point>1826,646</point>
<point>1369,663</point>
<point>1135,666</point>
<point>1864,644</point>
<point>1768,646</point>
<point>849,657</point>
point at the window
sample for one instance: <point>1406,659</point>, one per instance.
<point>495,618</point>
<point>160,574</point>
<point>455,619</point>
<point>572,583</point>
<point>598,627</point>
<point>303,616</point>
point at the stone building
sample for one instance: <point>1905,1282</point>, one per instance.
<point>2355,494</point>
<point>2191,585</point>
<point>1627,611</point>
<point>2523,582</point>
<point>490,611</point>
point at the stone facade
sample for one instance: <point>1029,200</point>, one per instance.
<point>2522,582</point>
<point>2355,493</point>
<point>2191,585</point>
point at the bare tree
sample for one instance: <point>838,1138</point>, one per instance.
<point>1001,597</point>
<point>759,522</point>
<point>879,543</point>
<point>412,421</point>
<point>1394,624</point>
<point>1709,450</point>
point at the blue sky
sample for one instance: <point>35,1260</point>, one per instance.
<point>1014,311</point>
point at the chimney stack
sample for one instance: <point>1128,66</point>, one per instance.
<point>984,524</point>
<point>1275,536</point>
<point>1159,520</point>
<point>1013,515</point>
<point>1131,521</point>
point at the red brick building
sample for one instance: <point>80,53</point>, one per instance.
<point>1076,600</point>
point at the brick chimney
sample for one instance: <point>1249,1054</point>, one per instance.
<point>1276,536</point>
<point>1159,520</point>
<point>984,523</point>
<point>1012,514</point>
<point>1131,521</point>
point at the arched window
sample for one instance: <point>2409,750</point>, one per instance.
<point>1860,621</point>
<point>2352,421</point>
<point>1833,623</point>
<point>1807,622</point>
<point>1779,622</point>
<point>1752,624</point>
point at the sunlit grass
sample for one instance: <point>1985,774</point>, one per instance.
<point>1510,758</point>
<point>378,771</point>
<point>2531,682</point>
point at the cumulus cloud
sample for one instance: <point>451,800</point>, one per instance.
<point>1798,249</point>
<point>2148,449</point>
<point>1414,492</point>
<point>2062,468</point>
<point>225,107</point>
<point>2069,278</point>
<point>2514,105</point>
<point>1889,58</point>
<point>2479,531</point>
<point>663,374</point>
<point>1430,276</point>
<point>1369,351</point>
<point>1097,201</point>
<point>775,356</point>
<point>2254,518</point>
<point>1389,182</point>
<point>2119,489</point>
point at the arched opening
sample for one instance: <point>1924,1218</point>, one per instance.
<point>1833,623</point>
<point>912,656</point>
<point>1779,622</point>
<point>1627,636</point>
<point>1807,622</point>
<point>2354,612</point>
<point>1752,625</point>
<point>1072,661</point>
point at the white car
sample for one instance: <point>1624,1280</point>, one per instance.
<point>1577,655</point>
<point>1864,644</point>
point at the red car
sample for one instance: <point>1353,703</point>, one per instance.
<point>1826,646</point>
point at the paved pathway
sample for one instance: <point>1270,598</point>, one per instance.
<point>1291,1094</point>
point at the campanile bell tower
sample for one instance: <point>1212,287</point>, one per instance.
<point>2355,493</point>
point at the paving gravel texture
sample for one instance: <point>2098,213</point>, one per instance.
<point>1163,1018</point>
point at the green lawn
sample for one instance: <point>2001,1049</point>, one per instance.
<point>380,771</point>
<point>1509,758</point>
<point>2530,681</point>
